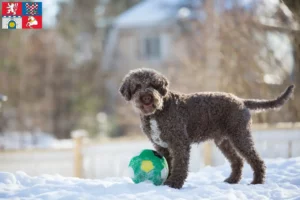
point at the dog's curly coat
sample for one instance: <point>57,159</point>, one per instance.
<point>173,121</point>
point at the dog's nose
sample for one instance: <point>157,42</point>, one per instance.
<point>147,99</point>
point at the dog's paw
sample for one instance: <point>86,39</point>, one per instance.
<point>232,180</point>
<point>174,184</point>
<point>259,181</point>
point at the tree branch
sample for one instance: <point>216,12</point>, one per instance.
<point>294,6</point>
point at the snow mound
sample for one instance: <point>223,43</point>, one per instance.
<point>283,182</point>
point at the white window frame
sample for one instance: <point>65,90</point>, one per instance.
<point>155,43</point>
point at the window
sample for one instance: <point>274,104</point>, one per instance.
<point>151,48</point>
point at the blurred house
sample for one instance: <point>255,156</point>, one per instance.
<point>187,41</point>
<point>146,35</point>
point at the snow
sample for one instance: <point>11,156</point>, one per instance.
<point>266,13</point>
<point>30,140</point>
<point>156,12</point>
<point>79,133</point>
<point>283,182</point>
<point>278,42</point>
<point>148,12</point>
<point>2,98</point>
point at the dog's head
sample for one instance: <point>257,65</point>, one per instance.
<point>145,88</point>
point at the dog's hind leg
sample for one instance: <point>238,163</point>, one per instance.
<point>243,142</point>
<point>235,160</point>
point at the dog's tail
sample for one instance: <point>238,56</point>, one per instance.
<point>259,105</point>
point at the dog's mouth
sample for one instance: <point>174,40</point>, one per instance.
<point>147,104</point>
<point>147,108</point>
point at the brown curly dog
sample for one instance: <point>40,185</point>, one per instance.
<point>173,121</point>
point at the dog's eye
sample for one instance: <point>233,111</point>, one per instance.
<point>154,86</point>
<point>137,87</point>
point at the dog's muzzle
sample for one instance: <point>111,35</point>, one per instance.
<point>147,102</point>
<point>146,99</point>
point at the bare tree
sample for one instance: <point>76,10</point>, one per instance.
<point>229,51</point>
<point>294,6</point>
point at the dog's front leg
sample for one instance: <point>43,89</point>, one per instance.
<point>180,152</point>
<point>166,153</point>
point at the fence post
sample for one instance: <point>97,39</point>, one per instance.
<point>290,148</point>
<point>78,136</point>
<point>207,153</point>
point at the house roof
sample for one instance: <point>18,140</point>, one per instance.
<point>148,12</point>
<point>154,12</point>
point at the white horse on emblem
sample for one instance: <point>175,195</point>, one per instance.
<point>31,21</point>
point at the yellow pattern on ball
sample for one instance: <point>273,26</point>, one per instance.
<point>147,166</point>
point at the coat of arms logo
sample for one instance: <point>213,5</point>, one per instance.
<point>32,8</point>
<point>22,15</point>
<point>12,8</point>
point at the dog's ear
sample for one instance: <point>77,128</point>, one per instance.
<point>163,85</point>
<point>125,89</point>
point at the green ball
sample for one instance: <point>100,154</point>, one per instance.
<point>149,166</point>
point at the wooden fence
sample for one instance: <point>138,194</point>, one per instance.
<point>111,159</point>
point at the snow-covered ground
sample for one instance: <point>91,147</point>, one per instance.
<point>283,182</point>
<point>32,140</point>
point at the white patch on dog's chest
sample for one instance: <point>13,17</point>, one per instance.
<point>155,134</point>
